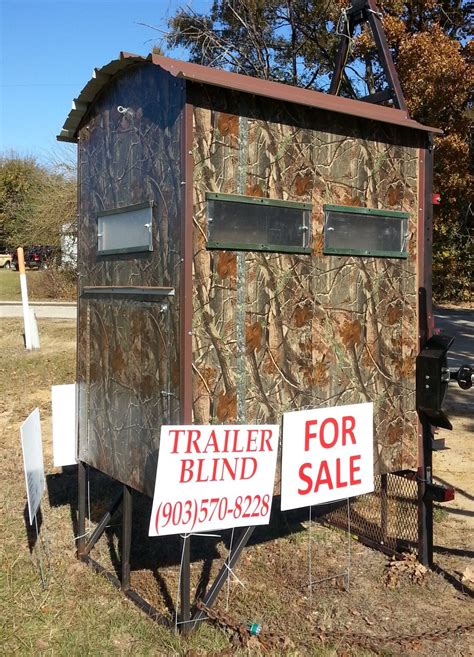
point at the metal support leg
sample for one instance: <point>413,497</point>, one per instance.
<point>127,504</point>
<point>99,530</point>
<point>185,586</point>
<point>224,573</point>
<point>383,506</point>
<point>81,508</point>
<point>425,506</point>
<point>341,58</point>
<point>384,54</point>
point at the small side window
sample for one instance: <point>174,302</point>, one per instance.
<point>247,223</point>
<point>365,232</point>
<point>125,230</point>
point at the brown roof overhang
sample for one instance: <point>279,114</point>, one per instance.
<point>236,81</point>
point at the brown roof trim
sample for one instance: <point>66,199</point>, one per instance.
<point>237,82</point>
<point>278,91</point>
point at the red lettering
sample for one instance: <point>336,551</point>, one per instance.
<point>307,480</point>
<point>251,440</point>
<point>176,436</point>
<point>226,441</point>
<point>348,430</point>
<point>353,469</point>
<point>265,443</point>
<point>245,460</point>
<point>320,480</point>
<point>227,466</point>
<point>211,442</point>
<point>339,482</point>
<point>308,434</point>
<point>193,441</point>
<point>199,477</point>
<point>186,469</point>
<point>324,423</point>
<point>236,440</point>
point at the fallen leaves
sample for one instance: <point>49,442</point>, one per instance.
<point>406,568</point>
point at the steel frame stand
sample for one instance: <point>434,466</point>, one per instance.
<point>425,504</point>
<point>187,621</point>
<point>365,11</point>
<point>224,573</point>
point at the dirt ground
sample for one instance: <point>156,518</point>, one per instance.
<point>454,536</point>
<point>365,610</point>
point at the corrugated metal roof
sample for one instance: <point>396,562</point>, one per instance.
<point>80,105</point>
<point>238,82</point>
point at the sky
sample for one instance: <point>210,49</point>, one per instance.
<point>48,50</point>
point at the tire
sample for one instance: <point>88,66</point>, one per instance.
<point>7,265</point>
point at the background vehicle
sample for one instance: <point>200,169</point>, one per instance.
<point>6,260</point>
<point>36,257</point>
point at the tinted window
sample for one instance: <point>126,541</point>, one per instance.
<point>361,231</point>
<point>255,224</point>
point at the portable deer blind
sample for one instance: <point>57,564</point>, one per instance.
<point>245,248</point>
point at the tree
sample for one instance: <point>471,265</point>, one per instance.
<point>290,41</point>
<point>18,179</point>
<point>435,70</point>
<point>295,41</point>
<point>35,201</point>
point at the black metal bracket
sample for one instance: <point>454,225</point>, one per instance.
<point>432,376</point>
<point>365,11</point>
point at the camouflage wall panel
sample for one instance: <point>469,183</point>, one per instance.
<point>128,350</point>
<point>315,330</point>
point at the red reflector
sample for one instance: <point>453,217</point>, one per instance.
<point>438,493</point>
<point>449,494</point>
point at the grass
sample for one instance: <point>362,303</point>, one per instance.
<point>51,284</point>
<point>80,613</point>
<point>440,514</point>
<point>10,283</point>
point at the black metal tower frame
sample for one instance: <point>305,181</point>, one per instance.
<point>365,11</point>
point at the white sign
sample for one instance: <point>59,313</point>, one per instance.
<point>327,455</point>
<point>214,477</point>
<point>63,399</point>
<point>32,447</point>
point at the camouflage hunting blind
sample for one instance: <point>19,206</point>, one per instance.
<point>245,248</point>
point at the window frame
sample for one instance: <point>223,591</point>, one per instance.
<point>252,246</point>
<point>123,210</point>
<point>347,209</point>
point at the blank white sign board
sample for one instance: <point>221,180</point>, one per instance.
<point>63,400</point>
<point>30,432</point>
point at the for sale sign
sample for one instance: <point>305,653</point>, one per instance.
<point>213,477</point>
<point>327,455</point>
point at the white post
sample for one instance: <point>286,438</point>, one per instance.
<point>35,338</point>
<point>24,297</point>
